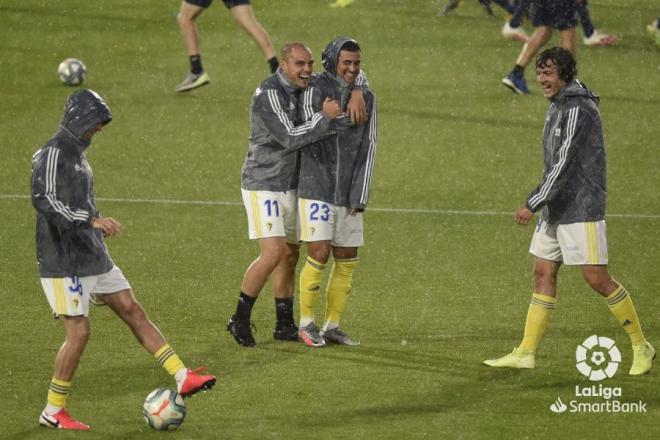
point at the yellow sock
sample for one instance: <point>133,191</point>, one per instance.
<point>169,359</point>
<point>58,393</point>
<point>339,286</point>
<point>310,286</point>
<point>538,317</point>
<point>623,309</point>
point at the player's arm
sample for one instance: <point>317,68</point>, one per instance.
<point>47,171</point>
<point>574,133</point>
<point>269,109</point>
<point>361,184</point>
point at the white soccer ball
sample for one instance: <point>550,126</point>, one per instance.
<point>72,72</point>
<point>164,409</point>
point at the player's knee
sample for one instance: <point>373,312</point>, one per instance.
<point>320,254</point>
<point>80,336</point>
<point>291,256</point>
<point>601,283</point>
<point>544,278</point>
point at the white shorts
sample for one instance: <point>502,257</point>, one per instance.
<point>575,244</point>
<point>70,296</point>
<point>271,214</point>
<point>321,221</point>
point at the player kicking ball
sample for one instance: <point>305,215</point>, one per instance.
<point>74,264</point>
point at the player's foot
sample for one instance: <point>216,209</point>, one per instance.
<point>450,6</point>
<point>336,336</point>
<point>192,81</point>
<point>195,382</point>
<point>341,3</point>
<point>516,83</point>
<point>600,39</point>
<point>286,332</point>
<point>518,358</point>
<point>311,336</point>
<point>515,34</point>
<point>241,331</point>
<point>61,420</point>
<point>643,356</point>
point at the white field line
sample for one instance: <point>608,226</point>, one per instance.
<point>393,210</point>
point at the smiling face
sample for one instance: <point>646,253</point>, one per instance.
<point>348,65</point>
<point>547,75</point>
<point>298,66</point>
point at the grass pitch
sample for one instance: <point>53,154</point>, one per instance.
<point>443,283</point>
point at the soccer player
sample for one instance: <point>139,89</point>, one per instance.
<point>547,16</point>
<point>333,191</point>
<point>268,186</point>
<point>572,198</point>
<point>244,16</point>
<point>74,264</point>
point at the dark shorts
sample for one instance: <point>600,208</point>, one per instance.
<point>557,14</point>
<point>228,3</point>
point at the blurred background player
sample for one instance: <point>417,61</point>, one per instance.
<point>341,3</point>
<point>547,15</point>
<point>333,191</point>
<point>74,264</point>
<point>512,28</point>
<point>244,16</point>
<point>654,30</point>
<point>453,4</point>
<point>268,185</point>
<point>572,200</point>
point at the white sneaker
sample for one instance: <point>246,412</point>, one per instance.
<point>600,39</point>
<point>515,34</point>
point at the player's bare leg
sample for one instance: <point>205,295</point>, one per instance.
<point>244,16</point>
<point>124,304</point>
<point>283,280</point>
<point>187,20</point>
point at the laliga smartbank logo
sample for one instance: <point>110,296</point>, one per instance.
<point>597,358</point>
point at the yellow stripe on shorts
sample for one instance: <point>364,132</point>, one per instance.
<point>60,296</point>
<point>303,219</point>
<point>592,242</point>
<point>256,213</point>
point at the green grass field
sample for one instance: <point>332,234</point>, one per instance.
<point>444,280</point>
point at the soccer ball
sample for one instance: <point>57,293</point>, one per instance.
<point>72,72</point>
<point>164,410</point>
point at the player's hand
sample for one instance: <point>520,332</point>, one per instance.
<point>356,108</point>
<point>331,108</point>
<point>524,215</point>
<point>108,225</point>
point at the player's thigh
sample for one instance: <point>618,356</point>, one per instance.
<point>544,243</point>
<point>317,220</point>
<point>267,212</point>
<point>349,229</point>
<point>583,243</point>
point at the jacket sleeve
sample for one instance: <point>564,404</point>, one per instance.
<point>268,108</point>
<point>361,184</point>
<point>47,171</point>
<point>575,131</point>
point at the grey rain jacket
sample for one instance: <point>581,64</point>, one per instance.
<point>277,135</point>
<point>574,177</point>
<point>62,194</point>
<point>338,169</point>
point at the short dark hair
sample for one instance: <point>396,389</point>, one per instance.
<point>350,46</point>
<point>562,58</point>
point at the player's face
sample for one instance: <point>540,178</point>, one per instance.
<point>348,65</point>
<point>298,66</point>
<point>88,136</point>
<point>547,76</point>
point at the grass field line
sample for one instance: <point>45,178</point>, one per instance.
<point>392,210</point>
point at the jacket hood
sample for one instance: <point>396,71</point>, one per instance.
<point>83,111</point>
<point>330,54</point>
<point>576,88</point>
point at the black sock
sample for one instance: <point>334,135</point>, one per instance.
<point>274,64</point>
<point>518,70</point>
<point>244,307</point>
<point>284,310</point>
<point>196,64</point>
